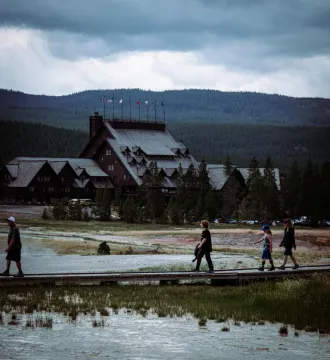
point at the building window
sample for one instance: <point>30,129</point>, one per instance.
<point>111,167</point>
<point>115,178</point>
<point>108,152</point>
<point>31,188</point>
<point>50,189</point>
<point>126,177</point>
<point>62,178</point>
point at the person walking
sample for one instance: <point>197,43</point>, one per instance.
<point>288,243</point>
<point>267,248</point>
<point>205,247</point>
<point>14,248</point>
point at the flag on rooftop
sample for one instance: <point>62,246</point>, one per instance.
<point>138,102</point>
<point>146,102</point>
<point>109,100</point>
<point>102,100</point>
<point>162,103</point>
<point>154,103</point>
<point>121,101</point>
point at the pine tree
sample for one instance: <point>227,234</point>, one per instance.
<point>232,194</point>
<point>211,206</point>
<point>60,209</point>
<point>306,195</point>
<point>228,166</point>
<point>291,190</point>
<point>174,212</point>
<point>191,193</point>
<point>324,191</point>
<point>150,193</point>
<point>203,180</point>
<point>270,191</point>
<point>254,205</point>
<point>106,205</point>
<point>200,208</point>
<point>130,210</point>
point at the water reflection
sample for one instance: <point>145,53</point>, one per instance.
<point>125,335</point>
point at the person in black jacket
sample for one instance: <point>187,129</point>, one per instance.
<point>205,247</point>
<point>288,243</point>
<point>14,248</point>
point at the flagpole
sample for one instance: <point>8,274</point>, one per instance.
<point>147,109</point>
<point>113,107</point>
<point>103,100</point>
<point>122,103</point>
<point>155,110</point>
<point>130,109</point>
<point>164,112</point>
<point>139,110</point>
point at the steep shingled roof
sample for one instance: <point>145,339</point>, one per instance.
<point>27,170</point>
<point>28,167</point>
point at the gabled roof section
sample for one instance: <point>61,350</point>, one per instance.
<point>141,170</point>
<point>170,171</point>
<point>102,183</point>
<point>57,165</point>
<point>151,142</point>
<point>27,170</point>
<point>13,170</point>
<point>124,148</point>
<point>217,176</point>
<point>28,167</point>
<point>116,147</point>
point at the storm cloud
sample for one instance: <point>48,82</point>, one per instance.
<point>258,39</point>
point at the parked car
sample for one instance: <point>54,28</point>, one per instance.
<point>232,221</point>
<point>324,223</point>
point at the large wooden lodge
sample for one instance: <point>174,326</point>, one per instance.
<point>117,156</point>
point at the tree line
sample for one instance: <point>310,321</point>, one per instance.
<point>213,142</point>
<point>188,105</point>
<point>303,192</point>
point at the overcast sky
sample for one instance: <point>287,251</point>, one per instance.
<point>63,46</point>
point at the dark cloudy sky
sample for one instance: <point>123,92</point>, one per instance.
<point>62,46</point>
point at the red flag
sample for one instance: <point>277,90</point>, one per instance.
<point>138,102</point>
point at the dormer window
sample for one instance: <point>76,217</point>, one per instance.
<point>108,152</point>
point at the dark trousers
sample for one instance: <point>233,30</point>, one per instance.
<point>207,254</point>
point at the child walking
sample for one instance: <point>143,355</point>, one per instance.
<point>267,248</point>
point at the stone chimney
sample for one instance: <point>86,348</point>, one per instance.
<point>95,122</point>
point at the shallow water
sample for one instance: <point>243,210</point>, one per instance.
<point>33,263</point>
<point>38,258</point>
<point>130,336</point>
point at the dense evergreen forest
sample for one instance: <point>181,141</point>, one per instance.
<point>182,106</point>
<point>24,139</point>
<point>213,142</point>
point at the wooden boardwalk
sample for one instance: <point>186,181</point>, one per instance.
<point>220,277</point>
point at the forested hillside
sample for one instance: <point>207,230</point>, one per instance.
<point>200,106</point>
<point>24,139</point>
<point>213,142</point>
